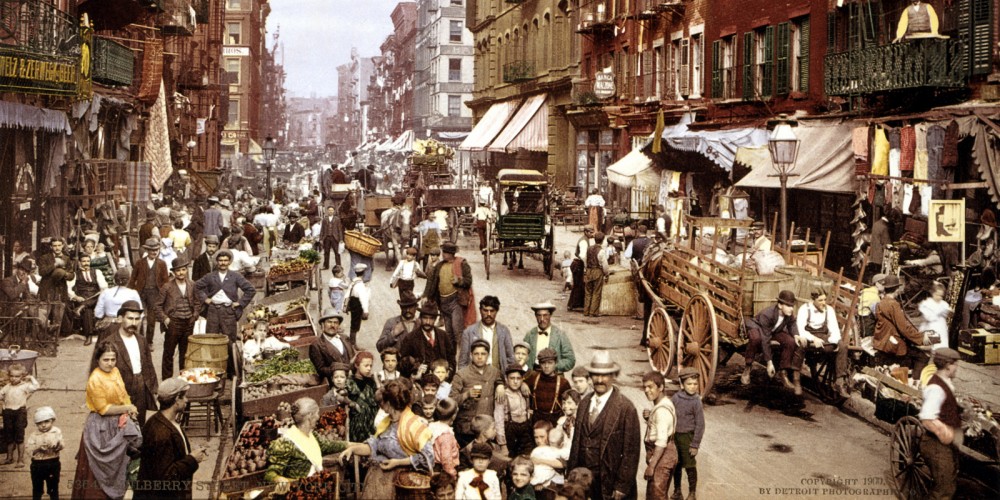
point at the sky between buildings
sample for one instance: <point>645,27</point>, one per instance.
<point>317,36</point>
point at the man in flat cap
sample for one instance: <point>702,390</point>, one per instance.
<point>545,334</point>
<point>135,361</point>
<point>547,388</point>
<point>178,309</point>
<point>168,462</point>
<point>449,287</point>
<point>607,437</point>
<point>332,347</point>
<point>397,327</point>
<point>941,416</point>
<point>148,276</point>
<point>224,293</point>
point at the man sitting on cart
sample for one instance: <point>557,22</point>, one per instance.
<point>819,330</point>
<point>775,323</point>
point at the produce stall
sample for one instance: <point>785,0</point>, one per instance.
<point>287,273</point>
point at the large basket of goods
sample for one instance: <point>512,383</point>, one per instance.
<point>361,243</point>
<point>17,356</point>
<point>201,381</point>
<point>412,485</point>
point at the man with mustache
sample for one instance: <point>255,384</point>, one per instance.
<point>397,327</point>
<point>224,294</point>
<point>428,343</point>
<point>607,437</point>
<point>332,348</point>
<point>135,362</point>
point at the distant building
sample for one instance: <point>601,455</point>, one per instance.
<point>444,76</point>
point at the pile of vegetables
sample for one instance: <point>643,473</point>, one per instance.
<point>291,266</point>
<point>332,424</point>
<point>252,392</point>
<point>310,256</point>
<point>285,362</point>
<point>250,454</point>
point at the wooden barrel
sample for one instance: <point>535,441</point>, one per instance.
<point>807,283</point>
<point>796,273</point>
<point>766,288</point>
<point>749,277</point>
<point>210,350</point>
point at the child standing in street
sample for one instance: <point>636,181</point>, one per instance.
<point>689,431</point>
<point>479,482</point>
<point>361,389</point>
<point>390,360</point>
<point>567,274</point>
<point>661,453</point>
<point>44,446</point>
<point>513,416</point>
<point>357,299</point>
<point>337,285</point>
<point>407,271</point>
<point>14,396</point>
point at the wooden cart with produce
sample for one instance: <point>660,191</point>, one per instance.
<point>523,224</point>
<point>713,299</point>
<point>285,274</point>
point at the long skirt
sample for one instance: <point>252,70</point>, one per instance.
<point>578,294</point>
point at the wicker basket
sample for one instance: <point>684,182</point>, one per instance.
<point>361,243</point>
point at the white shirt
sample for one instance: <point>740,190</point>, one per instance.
<point>406,270</point>
<point>488,333</point>
<point>810,316</point>
<point>101,283</point>
<point>112,299</point>
<point>360,290</point>
<point>132,346</point>
<point>542,341</point>
<point>598,402</point>
<point>335,342</point>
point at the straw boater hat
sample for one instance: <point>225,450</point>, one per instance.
<point>151,244</point>
<point>544,306</point>
<point>786,297</point>
<point>330,313</point>
<point>601,364</point>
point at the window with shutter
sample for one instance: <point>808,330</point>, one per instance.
<point>831,32</point>
<point>767,68</point>
<point>781,69</point>
<point>717,69</point>
<point>748,66</point>
<point>648,76</point>
<point>685,68</point>
<point>980,37</point>
<point>803,61</point>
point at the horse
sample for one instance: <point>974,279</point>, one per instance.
<point>394,224</point>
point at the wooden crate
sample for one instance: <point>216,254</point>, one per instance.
<point>245,482</point>
<point>266,406</point>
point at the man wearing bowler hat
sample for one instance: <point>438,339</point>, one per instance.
<point>777,323</point>
<point>449,287</point>
<point>205,262</point>
<point>548,335</point>
<point>896,339</point>
<point>942,417</point>
<point>224,294</point>
<point>148,276</point>
<point>177,308</point>
<point>397,327</point>
<point>135,361</point>
<point>607,439</point>
<point>331,347</point>
<point>428,343</point>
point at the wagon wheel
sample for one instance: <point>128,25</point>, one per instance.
<point>549,257</point>
<point>822,378</point>
<point>698,341</point>
<point>662,341</point>
<point>489,248</point>
<point>910,472</point>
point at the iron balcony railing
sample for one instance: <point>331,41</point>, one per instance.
<point>113,64</point>
<point>898,66</point>
<point>38,27</point>
<point>518,71</point>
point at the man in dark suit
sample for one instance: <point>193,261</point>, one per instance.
<point>428,343</point>
<point>397,327</point>
<point>177,309</point>
<point>166,468</point>
<point>204,263</point>
<point>135,362</point>
<point>332,347</point>
<point>14,288</point>
<point>607,439</point>
<point>220,292</point>
<point>775,323</point>
<point>148,276</point>
<point>331,233</point>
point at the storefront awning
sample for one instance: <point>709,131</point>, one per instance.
<point>719,146</point>
<point>17,115</point>
<point>634,170</point>
<point>528,129</point>
<point>384,145</point>
<point>255,152</point>
<point>825,162</point>
<point>489,126</point>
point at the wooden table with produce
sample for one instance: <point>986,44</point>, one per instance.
<point>284,274</point>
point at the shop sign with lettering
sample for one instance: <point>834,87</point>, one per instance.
<point>604,85</point>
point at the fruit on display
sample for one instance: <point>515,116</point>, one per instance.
<point>302,302</point>
<point>252,392</point>
<point>199,376</point>
<point>321,485</point>
<point>332,424</point>
<point>250,453</point>
<point>290,266</point>
<point>262,312</point>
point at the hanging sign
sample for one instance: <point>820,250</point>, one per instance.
<point>946,222</point>
<point>604,85</point>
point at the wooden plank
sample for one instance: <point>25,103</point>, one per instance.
<point>724,296</point>
<point>718,302</point>
<point>694,269</point>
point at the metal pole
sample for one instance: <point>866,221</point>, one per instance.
<point>267,189</point>
<point>783,177</point>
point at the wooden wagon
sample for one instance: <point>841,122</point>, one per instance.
<point>524,223</point>
<point>713,300</point>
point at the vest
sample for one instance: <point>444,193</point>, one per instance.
<point>85,289</point>
<point>593,262</point>
<point>918,21</point>
<point>951,414</point>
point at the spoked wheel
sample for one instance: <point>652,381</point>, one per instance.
<point>822,377</point>
<point>662,345</point>
<point>698,341</point>
<point>911,474</point>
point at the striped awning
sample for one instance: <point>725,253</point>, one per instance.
<point>528,129</point>
<point>489,126</point>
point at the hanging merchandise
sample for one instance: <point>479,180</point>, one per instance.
<point>949,153</point>
<point>859,143</point>
<point>920,158</point>
<point>907,148</point>
<point>935,171</point>
<point>880,160</point>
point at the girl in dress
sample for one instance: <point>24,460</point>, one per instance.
<point>361,389</point>
<point>936,312</point>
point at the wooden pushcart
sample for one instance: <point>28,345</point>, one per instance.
<point>713,300</point>
<point>524,223</point>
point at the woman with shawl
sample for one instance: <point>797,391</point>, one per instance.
<point>401,440</point>
<point>110,433</point>
<point>299,452</point>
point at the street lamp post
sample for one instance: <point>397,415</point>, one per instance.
<point>269,150</point>
<point>784,148</point>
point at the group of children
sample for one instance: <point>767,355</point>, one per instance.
<point>524,450</point>
<point>43,445</point>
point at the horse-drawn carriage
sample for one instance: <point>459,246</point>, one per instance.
<point>714,298</point>
<point>524,224</point>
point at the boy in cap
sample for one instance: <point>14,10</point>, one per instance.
<point>547,388</point>
<point>521,353</point>
<point>689,431</point>
<point>43,446</point>
<point>407,271</point>
<point>357,297</point>
<point>661,453</point>
<point>168,461</point>
<point>479,482</point>
<point>513,416</point>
